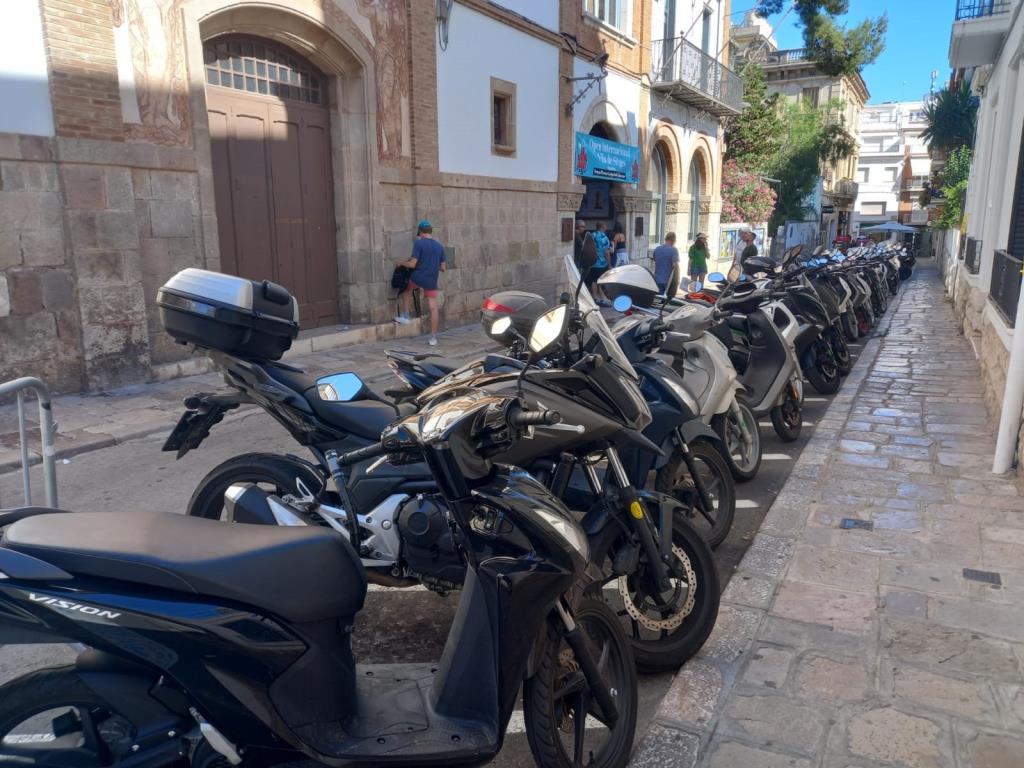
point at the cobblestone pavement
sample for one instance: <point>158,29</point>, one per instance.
<point>95,421</point>
<point>862,648</point>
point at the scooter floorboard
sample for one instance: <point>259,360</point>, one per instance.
<point>395,720</point>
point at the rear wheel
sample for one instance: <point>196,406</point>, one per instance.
<point>787,417</point>
<point>674,480</point>
<point>565,726</point>
<point>824,373</point>
<point>50,718</point>
<point>849,323</point>
<point>840,351</point>
<point>742,454</point>
<point>278,475</point>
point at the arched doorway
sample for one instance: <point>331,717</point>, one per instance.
<point>659,193</point>
<point>695,186</point>
<point>597,201</point>
<point>271,153</point>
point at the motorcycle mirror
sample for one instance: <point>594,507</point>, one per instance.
<point>622,303</point>
<point>548,329</point>
<point>716,277</point>
<point>743,278</point>
<point>339,387</point>
<point>696,286</point>
<point>501,325</point>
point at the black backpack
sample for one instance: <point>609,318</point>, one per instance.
<point>400,278</point>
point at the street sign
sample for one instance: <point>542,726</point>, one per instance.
<point>828,209</point>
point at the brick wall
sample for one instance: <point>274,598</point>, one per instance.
<point>83,69</point>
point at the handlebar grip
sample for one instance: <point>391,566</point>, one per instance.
<point>359,454</point>
<point>533,418</point>
<point>659,327</point>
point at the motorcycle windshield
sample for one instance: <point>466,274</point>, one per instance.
<point>595,320</point>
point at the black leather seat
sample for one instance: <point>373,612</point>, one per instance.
<point>300,574</point>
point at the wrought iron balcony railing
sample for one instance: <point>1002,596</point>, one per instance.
<point>688,73</point>
<point>976,9</point>
<point>1004,289</point>
<point>842,188</point>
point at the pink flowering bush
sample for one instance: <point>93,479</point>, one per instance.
<point>745,196</point>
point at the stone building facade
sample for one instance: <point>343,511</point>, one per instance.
<point>300,141</point>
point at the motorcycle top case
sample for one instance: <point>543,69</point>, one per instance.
<point>245,318</point>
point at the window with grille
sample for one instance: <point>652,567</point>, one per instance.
<point>261,68</point>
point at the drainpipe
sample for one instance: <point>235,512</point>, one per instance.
<point>1013,400</point>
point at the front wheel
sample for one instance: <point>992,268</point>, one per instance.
<point>674,480</point>
<point>840,351</point>
<point>850,330</point>
<point>823,373</point>
<point>50,718</point>
<point>787,417</point>
<point>742,451</point>
<point>565,726</point>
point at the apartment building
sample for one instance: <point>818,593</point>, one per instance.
<point>893,165</point>
<point>301,140</point>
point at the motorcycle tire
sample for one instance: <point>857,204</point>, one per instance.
<point>552,699</point>
<point>841,352</point>
<point>276,473</point>
<point>824,377</point>
<point>906,271</point>
<point>89,732</point>
<point>787,418</point>
<point>674,480</point>
<point>728,430</point>
<point>850,330</point>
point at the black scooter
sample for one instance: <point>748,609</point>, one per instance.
<point>210,643</point>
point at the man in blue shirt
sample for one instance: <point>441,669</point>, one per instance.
<point>666,257</point>
<point>427,262</point>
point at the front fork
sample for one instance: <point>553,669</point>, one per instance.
<point>703,497</point>
<point>588,664</point>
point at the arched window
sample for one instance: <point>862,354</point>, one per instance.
<point>259,67</point>
<point>659,191</point>
<point>696,184</point>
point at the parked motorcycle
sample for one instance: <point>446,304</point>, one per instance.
<point>210,643</point>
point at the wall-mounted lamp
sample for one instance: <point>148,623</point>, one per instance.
<point>590,78</point>
<point>444,14</point>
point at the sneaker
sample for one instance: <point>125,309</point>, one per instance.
<point>432,341</point>
<point>402,320</point>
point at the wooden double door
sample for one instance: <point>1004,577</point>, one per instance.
<point>272,174</point>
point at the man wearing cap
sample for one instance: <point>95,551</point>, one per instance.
<point>427,262</point>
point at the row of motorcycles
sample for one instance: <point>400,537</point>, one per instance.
<point>568,488</point>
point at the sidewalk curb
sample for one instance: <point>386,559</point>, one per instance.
<point>703,684</point>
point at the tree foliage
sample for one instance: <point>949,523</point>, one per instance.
<point>837,50</point>
<point>953,183</point>
<point>745,195</point>
<point>951,117</point>
<point>753,136</point>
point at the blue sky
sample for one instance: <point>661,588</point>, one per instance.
<point>917,43</point>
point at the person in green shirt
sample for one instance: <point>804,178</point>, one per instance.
<point>699,257</point>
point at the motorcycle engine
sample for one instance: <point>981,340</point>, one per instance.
<point>428,546</point>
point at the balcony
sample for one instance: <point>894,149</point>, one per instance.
<point>844,189</point>
<point>787,56</point>
<point>683,71</point>
<point>918,183</point>
<point>978,32</point>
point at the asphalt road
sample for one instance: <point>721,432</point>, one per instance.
<point>396,625</point>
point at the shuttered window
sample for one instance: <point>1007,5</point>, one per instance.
<point>1015,242</point>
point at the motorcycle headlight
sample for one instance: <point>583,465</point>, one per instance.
<point>570,532</point>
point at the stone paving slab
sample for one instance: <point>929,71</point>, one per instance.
<point>93,421</point>
<point>869,648</point>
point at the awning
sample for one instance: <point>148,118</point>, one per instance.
<point>920,166</point>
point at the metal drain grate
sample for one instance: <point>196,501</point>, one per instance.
<point>986,577</point>
<point>851,522</point>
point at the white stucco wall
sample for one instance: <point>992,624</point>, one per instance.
<point>480,48</point>
<point>616,101</point>
<point>542,12</point>
<point>24,85</point>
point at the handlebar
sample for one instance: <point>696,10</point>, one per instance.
<point>517,417</point>
<point>349,458</point>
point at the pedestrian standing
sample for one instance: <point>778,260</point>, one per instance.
<point>619,245</point>
<point>698,253</point>
<point>666,258</point>
<point>745,249</point>
<point>604,253</point>
<point>427,262</point>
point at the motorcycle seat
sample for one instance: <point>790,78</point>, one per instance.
<point>281,570</point>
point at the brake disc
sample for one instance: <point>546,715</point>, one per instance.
<point>674,619</point>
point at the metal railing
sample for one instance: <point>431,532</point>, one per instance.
<point>918,182</point>
<point>787,56</point>
<point>678,60</point>
<point>842,188</point>
<point>18,388</point>
<point>1004,288</point>
<point>972,256</point>
<point>977,9</point>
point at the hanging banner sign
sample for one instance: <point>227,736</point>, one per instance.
<point>598,158</point>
